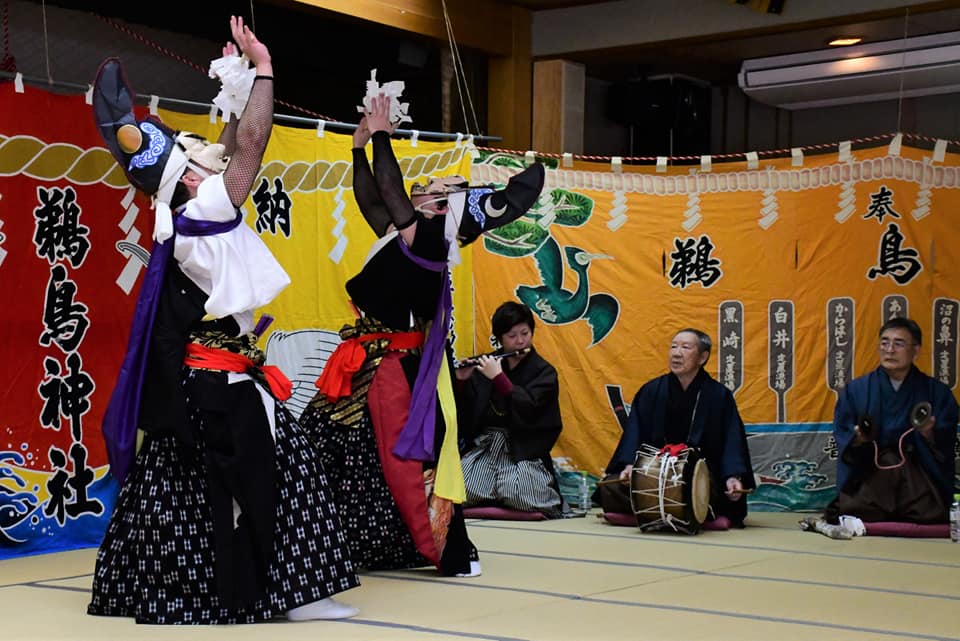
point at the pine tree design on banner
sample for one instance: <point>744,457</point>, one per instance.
<point>530,235</point>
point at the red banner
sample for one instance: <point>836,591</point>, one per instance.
<point>74,239</point>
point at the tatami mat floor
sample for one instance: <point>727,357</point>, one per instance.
<point>580,579</point>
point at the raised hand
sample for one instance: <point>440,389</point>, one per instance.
<point>361,135</point>
<point>248,44</point>
<point>378,117</point>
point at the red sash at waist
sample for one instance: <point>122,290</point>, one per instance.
<point>200,356</point>
<point>346,360</point>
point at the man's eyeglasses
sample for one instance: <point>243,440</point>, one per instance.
<point>896,344</point>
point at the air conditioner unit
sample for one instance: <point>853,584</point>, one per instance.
<point>917,66</point>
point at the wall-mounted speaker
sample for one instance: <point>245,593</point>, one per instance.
<point>668,115</point>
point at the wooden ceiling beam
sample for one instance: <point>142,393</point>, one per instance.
<point>501,31</point>
<point>484,25</point>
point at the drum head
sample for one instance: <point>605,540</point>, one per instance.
<point>700,491</point>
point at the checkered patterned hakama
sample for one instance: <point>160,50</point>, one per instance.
<point>378,537</point>
<point>156,562</point>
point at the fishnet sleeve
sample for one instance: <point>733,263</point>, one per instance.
<point>389,179</point>
<point>253,132</point>
<point>228,136</point>
<point>367,194</point>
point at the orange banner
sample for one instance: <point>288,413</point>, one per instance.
<point>790,269</point>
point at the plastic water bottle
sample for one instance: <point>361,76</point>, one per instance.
<point>955,519</point>
<point>584,495</point>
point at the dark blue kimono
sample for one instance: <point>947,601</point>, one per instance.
<point>873,395</point>
<point>716,429</point>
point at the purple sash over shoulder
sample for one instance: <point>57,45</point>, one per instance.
<point>123,412</point>
<point>416,441</point>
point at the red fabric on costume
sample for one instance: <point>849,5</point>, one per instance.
<point>336,379</point>
<point>502,384</point>
<point>389,401</point>
<point>220,359</point>
<point>337,374</point>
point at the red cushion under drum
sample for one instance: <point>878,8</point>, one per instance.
<point>620,518</point>
<point>502,514</point>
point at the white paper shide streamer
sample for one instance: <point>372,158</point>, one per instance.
<point>236,80</point>
<point>398,110</point>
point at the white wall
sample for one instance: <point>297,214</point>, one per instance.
<point>753,126</point>
<point>628,22</point>
<point>737,123</point>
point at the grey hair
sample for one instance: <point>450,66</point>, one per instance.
<point>704,344</point>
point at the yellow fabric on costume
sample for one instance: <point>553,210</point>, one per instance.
<point>449,483</point>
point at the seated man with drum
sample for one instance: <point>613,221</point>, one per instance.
<point>686,407</point>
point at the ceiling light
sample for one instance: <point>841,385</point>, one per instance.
<point>906,67</point>
<point>844,41</point>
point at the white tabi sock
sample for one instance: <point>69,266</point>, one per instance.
<point>474,571</point>
<point>322,609</point>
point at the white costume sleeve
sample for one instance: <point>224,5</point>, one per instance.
<point>236,269</point>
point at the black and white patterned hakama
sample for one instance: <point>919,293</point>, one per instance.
<point>377,535</point>
<point>492,476</point>
<point>156,562</point>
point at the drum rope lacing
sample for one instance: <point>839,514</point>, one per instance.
<point>668,472</point>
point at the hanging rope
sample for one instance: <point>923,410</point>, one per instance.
<point>152,44</point>
<point>459,74</point>
<point>175,56</point>
<point>46,42</point>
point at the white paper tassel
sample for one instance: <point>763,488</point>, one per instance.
<point>236,80</point>
<point>398,110</point>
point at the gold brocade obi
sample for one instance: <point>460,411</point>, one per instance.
<point>348,410</point>
<point>245,344</point>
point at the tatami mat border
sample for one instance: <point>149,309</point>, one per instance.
<point>684,540</point>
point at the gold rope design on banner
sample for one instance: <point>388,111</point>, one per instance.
<point>325,175</point>
<point>34,158</point>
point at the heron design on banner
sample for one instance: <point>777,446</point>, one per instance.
<point>530,235</point>
<point>555,305</point>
